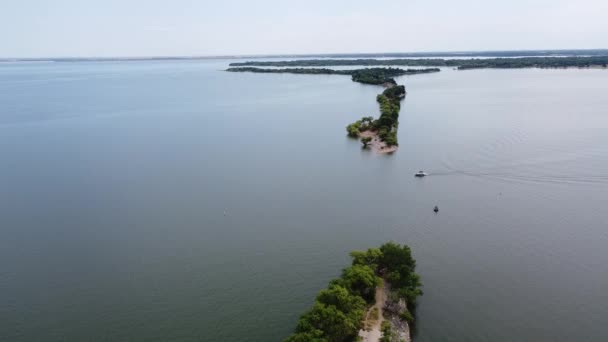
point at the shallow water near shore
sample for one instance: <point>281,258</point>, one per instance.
<point>172,201</point>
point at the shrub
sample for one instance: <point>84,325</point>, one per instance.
<point>366,141</point>
<point>353,129</point>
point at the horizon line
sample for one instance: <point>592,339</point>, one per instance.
<point>465,53</point>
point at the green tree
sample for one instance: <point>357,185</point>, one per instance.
<point>353,129</point>
<point>371,257</point>
<point>362,280</point>
<point>391,139</point>
<point>367,119</point>
<point>366,141</point>
<point>314,336</point>
<point>335,324</point>
<point>397,257</point>
<point>342,299</point>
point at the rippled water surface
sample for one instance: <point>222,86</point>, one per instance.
<point>171,201</point>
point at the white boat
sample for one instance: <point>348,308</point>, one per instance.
<point>421,174</point>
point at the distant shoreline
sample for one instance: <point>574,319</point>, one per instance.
<point>496,53</point>
<point>460,64</point>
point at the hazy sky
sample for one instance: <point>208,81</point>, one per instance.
<point>34,28</point>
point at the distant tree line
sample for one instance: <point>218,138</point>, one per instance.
<point>338,311</point>
<point>367,76</point>
<point>312,71</point>
<point>462,64</point>
<point>460,54</point>
<point>380,76</point>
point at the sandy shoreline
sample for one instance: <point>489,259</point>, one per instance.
<point>376,144</point>
<point>385,310</point>
<point>372,331</point>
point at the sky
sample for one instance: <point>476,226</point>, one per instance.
<point>129,28</point>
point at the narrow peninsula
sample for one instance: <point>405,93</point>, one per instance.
<point>368,76</point>
<point>378,134</point>
<point>381,134</point>
<point>374,300</point>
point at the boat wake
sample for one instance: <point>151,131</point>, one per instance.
<point>511,175</point>
<point>513,159</point>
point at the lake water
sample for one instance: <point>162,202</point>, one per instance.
<point>171,201</point>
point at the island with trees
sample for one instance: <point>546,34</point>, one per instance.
<point>373,300</point>
<point>381,134</point>
<point>378,134</point>
<point>597,61</point>
<point>377,76</point>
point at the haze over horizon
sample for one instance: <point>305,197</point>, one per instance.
<point>112,28</point>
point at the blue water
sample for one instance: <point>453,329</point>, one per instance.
<point>172,201</point>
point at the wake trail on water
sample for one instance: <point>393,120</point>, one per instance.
<point>509,159</point>
<point>521,176</point>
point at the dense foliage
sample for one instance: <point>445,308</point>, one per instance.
<point>472,63</point>
<point>366,123</point>
<point>533,62</point>
<point>365,141</point>
<point>385,75</point>
<point>395,92</point>
<point>313,71</point>
<point>376,75</point>
<point>338,312</point>
<point>386,125</point>
<point>388,121</point>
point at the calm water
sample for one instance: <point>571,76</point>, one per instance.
<point>170,201</point>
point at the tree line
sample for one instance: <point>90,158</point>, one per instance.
<point>367,75</point>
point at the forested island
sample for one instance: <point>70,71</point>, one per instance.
<point>373,300</point>
<point>383,131</point>
<point>461,64</point>
<point>368,75</point>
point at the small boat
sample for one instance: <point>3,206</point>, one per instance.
<point>436,209</point>
<point>421,174</point>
